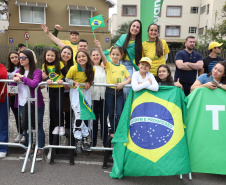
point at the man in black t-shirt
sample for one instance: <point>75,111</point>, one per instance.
<point>209,61</point>
<point>188,62</point>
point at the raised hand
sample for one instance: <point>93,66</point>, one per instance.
<point>97,43</point>
<point>58,27</point>
<point>45,28</point>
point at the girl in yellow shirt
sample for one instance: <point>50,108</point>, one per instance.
<point>116,74</point>
<point>154,48</point>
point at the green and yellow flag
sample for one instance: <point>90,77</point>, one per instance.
<point>150,138</point>
<point>130,51</point>
<point>86,113</point>
<point>96,22</point>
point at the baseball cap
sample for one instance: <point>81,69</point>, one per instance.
<point>146,59</point>
<point>214,44</point>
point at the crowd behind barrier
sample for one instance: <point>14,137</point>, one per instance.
<point>4,50</point>
<point>57,145</point>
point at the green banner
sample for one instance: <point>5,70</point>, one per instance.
<point>206,130</point>
<point>149,13</point>
<point>150,138</point>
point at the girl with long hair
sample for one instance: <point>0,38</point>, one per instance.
<point>164,77</point>
<point>56,72</point>
<point>31,77</point>
<point>98,98</point>
<point>12,67</point>
<point>81,72</point>
<point>154,48</point>
<point>215,79</point>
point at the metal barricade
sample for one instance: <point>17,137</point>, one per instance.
<point>70,136</point>
<point>11,89</point>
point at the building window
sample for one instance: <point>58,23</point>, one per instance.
<point>174,11</point>
<point>129,10</point>
<point>203,9</point>
<point>208,9</point>
<point>201,30</point>
<point>79,17</point>
<point>195,10</point>
<point>32,15</point>
<point>172,31</point>
<point>192,29</point>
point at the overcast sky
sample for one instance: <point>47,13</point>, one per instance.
<point>113,10</point>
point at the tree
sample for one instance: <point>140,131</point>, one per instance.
<point>123,29</point>
<point>217,32</point>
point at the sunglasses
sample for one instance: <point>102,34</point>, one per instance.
<point>218,47</point>
<point>155,30</point>
<point>190,56</point>
<point>22,58</point>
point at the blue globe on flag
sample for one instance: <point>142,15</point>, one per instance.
<point>96,23</point>
<point>151,126</point>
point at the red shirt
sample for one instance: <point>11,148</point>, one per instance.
<point>3,75</point>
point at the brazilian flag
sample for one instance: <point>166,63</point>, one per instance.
<point>86,113</point>
<point>96,22</point>
<point>150,138</point>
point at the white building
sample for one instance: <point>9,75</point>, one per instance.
<point>178,19</point>
<point>4,23</point>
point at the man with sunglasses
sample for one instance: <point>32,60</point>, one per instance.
<point>188,62</point>
<point>215,49</point>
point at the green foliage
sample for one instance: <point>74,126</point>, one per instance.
<point>123,29</point>
<point>216,33</point>
<point>38,49</point>
<point>176,45</point>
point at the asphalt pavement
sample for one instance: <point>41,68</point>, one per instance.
<point>86,171</point>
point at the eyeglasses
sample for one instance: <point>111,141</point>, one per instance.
<point>155,30</point>
<point>191,56</point>
<point>22,58</point>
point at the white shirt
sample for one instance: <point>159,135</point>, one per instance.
<point>11,74</point>
<point>98,92</point>
<point>22,94</point>
<point>136,78</point>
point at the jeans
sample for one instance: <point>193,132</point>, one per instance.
<point>129,68</point>
<point>4,125</point>
<point>41,133</point>
<point>112,108</point>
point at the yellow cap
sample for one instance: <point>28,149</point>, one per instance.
<point>214,44</point>
<point>146,59</point>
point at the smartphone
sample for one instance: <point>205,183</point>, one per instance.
<point>214,81</point>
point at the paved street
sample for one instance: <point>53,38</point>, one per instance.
<point>86,171</point>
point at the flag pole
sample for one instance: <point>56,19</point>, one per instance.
<point>94,34</point>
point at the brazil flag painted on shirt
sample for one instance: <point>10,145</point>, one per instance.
<point>150,138</point>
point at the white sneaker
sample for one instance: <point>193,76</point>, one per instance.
<point>22,140</point>
<point>49,154</point>
<point>17,139</point>
<point>56,131</point>
<point>62,131</point>
<point>2,154</point>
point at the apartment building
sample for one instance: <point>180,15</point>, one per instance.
<point>26,16</point>
<point>178,19</point>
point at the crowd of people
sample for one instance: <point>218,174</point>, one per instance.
<point>129,61</point>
